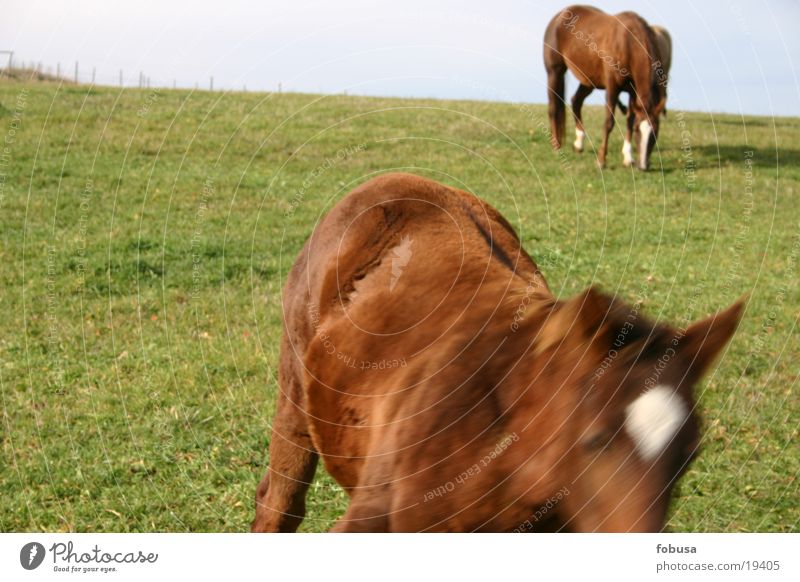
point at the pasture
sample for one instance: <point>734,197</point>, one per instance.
<point>146,235</point>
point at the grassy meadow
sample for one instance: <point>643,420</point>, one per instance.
<point>145,235</point>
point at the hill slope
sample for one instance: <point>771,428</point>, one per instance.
<point>145,235</point>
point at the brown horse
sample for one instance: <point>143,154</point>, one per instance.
<point>445,388</point>
<point>661,67</point>
<point>664,46</point>
<point>616,53</point>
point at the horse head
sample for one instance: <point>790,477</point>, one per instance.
<point>646,126</point>
<point>624,395</point>
<point>649,105</point>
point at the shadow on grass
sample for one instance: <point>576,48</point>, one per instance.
<point>712,155</point>
<point>747,122</point>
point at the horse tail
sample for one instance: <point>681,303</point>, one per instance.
<point>556,70</point>
<point>664,44</point>
<point>557,109</point>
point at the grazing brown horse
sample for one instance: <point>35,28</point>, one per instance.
<point>616,53</point>
<point>662,66</point>
<point>445,388</point>
<point>664,46</point>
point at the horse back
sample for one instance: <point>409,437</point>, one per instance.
<point>391,290</point>
<point>579,36</point>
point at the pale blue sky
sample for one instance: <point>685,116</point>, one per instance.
<point>732,56</point>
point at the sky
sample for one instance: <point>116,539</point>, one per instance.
<point>732,56</point>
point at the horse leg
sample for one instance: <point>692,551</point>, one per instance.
<point>555,97</point>
<point>612,95</point>
<point>577,104</point>
<point>280,497</point>
<point>627,150</point>
<point>363,516</point>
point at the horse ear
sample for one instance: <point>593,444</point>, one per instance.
<point>579,317</point>
<point>705,339</point>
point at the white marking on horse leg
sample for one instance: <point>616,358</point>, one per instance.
<point>627,157</point>
<point>645,129</point>
<point>579,140</point>
<point>654,418</point>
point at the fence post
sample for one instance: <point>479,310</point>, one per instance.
<point>211,84</point>
<point>94,73</point>
<point>120,77</point>
<point>58,70</point>
<point>76,72</point>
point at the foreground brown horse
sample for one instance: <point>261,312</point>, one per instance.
<point>616,53</point>
<point>425,360</point>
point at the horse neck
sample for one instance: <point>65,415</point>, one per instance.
<point>643,71</point>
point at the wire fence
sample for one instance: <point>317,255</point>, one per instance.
<point>79,74</point>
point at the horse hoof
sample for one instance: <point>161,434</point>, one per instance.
<point>601,164</point>
<point>577,150</point>
<point>627,163</point>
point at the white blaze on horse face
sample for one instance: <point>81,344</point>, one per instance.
<point>645,129</point>
<point>654,418</point>
<point>627,156</point>
<point>578,139</point>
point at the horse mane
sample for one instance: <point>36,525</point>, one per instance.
<point>605,317</point>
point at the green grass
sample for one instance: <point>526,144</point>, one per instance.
<point>144,240</point>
